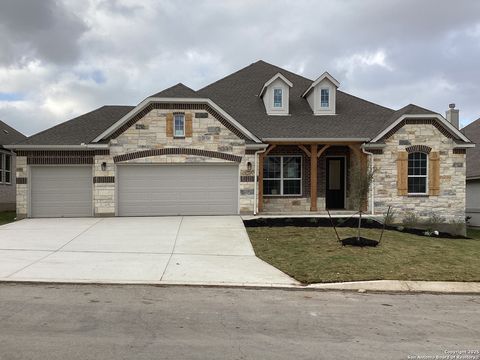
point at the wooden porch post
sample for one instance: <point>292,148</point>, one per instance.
<point>260,182</point>
<point>313,177</point>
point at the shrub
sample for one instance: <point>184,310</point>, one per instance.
<point>434,220</point>
<point>410,219</point>
<point>457,227</point>
<point>389,217</point>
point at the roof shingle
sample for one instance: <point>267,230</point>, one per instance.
<point>9,135</point>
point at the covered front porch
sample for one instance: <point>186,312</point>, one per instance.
<point>307,177</point>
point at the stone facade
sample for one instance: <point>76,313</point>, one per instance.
<point>22,189</point>
<point>7,191</point>
<point>449,204</point>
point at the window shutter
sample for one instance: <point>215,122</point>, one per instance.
<point>402,173</point>
<point>188,125</point>
<point>434,173</point>
<point>169,125</point>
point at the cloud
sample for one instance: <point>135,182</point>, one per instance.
<point>64,58</point>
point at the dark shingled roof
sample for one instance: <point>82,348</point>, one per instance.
<point>472,131</point>
<point>9,135</point>
<point>177,91</point>
<point>238,94</point>
<point>82,129</point>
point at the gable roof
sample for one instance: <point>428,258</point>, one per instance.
<point>82,129</point>
<point>472,131</point>
<point>177,91</point>
<point>9,135</point>
<point>275,77</point>
<point>325,75</point>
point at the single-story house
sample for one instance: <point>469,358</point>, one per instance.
<point>261,140</point>
<point>472,131</point>
<point>8,135</point>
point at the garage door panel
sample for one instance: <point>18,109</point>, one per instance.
<point>177,189</point>
<point>61,191</point>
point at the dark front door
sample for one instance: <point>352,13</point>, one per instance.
<point>335,191</point>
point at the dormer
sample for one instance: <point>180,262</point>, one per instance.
<point>276,94</point>
<point>322,94</point>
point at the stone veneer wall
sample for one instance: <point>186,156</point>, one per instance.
<point>450,204</point>
<point>22,189</point>
<point>207,134</point>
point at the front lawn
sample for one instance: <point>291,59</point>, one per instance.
<point>6,217</point>
<point>313,255</point>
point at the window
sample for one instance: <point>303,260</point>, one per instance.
<point>277,98</point>
<point>5,168</point>
<point>179,125</point>
<point>324,98</point>
<point>417,173</point>
<point>282,175</point>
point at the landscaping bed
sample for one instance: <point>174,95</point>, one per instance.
<point>313,254</point>
<point>7,217</point>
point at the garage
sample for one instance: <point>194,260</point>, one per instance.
<point>61,191</point>
<point>148,190</point>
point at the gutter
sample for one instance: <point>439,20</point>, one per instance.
<point>255,200</point>
<point>56,147</point>
<point>372,194</point>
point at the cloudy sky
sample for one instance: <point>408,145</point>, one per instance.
<point>59,59</point>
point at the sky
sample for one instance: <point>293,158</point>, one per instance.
<point>60,59</point>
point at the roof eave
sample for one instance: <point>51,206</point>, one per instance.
<point>56,147</point>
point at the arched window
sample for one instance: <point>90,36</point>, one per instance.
<point>417,173</point>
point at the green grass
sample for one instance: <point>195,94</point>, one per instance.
<point>6,217</point>
<point>313,255</point>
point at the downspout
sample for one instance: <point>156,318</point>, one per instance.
<point>372,194</point>
<point>255,202</point>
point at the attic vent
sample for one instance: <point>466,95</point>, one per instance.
<point>5,131</point>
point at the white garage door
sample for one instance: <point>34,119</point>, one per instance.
<point>145,190</point>
<point>64,191</point>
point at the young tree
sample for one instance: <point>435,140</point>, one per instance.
<point>360,184</point>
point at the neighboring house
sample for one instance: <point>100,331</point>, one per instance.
<point>8,135</point>
<point>472,131</point>
<point>189,152</point>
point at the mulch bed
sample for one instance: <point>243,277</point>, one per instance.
<point>339,222</point>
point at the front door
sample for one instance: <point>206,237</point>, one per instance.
<point>335,191</point>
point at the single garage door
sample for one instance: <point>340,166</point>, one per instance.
<point>145,190</point>
<point>64,191</point>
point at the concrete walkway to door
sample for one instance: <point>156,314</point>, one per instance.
<point>171,250</point>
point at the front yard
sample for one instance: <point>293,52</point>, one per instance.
<point>313,255</point>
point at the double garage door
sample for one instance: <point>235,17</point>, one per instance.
<point>142,190</point>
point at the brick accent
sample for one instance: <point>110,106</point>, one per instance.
<point>247,178</point>
<point>61,157</point>
<point>164,106</point>
<point>459,151</point>
<point>104,179</point>
<point>418,148</point>
<point>177,151</point>
<point>433,122</point>
<point>22,180</point>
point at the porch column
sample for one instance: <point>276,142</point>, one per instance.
<point>260,182</point>
<point>313,177</point>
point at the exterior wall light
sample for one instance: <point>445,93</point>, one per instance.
<point>249,166</point>
<point>104,166</point>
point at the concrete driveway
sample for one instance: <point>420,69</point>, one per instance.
<point>173,250</point>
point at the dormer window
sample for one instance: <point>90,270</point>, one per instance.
<point>277,98</point>
<point>275,94</point>
<point>324,98</point>
<point>321,95</point>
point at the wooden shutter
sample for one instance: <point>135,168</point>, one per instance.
<point>402,173</point>
<point>169,125</point>
<point>434,173</point>
<point>188,125</point>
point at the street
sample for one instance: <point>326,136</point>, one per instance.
<point>147,322</point>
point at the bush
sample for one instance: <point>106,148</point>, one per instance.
<point>433,221</point>
<point>389,217</point>
<point>457,226</point>
<point>410,219</point>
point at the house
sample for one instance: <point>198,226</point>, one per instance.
<point>8,135</point>
<point>472,131</point>
<point>261,140</point>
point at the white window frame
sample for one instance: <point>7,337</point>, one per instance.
<point>418,176</point>
<point>175,135</point>
<point>4,170</point>
<point>282,179</point>
<point>281,98</point>
<point>321,103</point>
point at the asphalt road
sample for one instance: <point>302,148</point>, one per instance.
<point>145,322</point>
